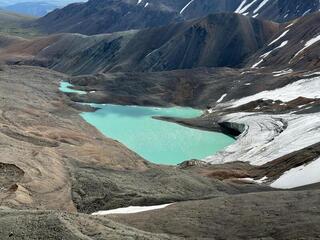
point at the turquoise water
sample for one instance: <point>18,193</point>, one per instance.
<point>65,87</point>
<point>157,141</point>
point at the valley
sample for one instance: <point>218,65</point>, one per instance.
<point>158,141</point>
<point>161,120</point>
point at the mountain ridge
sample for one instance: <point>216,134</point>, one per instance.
<point>196,43</point>
<point>107,16</point>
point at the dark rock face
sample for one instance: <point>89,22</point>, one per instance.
<point>109,15</point>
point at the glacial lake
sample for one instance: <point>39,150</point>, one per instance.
<point>158,141</point>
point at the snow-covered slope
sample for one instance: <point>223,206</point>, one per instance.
<point>300,176</point>
<point>308,88</point>
<point>268,137</point>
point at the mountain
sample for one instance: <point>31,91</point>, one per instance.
<point>275,10</point>
<point>296,46</point>
<point>220,40</point>
<point>36,9</point>
<point>15,24</point>
<point>105,16</point>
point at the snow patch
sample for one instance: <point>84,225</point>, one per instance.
<point>308,88</point>
<point>300,176</point>
<point>131,209</point>
<point>259,181</point>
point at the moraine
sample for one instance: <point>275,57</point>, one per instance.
<point>158,141</point>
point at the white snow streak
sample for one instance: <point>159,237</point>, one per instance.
<point>186,6</point>
<point>282,45</point>
<point>246,7</point>
<point>278,38</point>
<point>131,209</point>
<point>264,2</point>
<point>290,25</point>
<point>263,56</point>
<point>308,44</point>
<point>240,6</point>
<point>306,12</point>
<point>282,72</point>
<point>222,97</point>
<point>257,64</point>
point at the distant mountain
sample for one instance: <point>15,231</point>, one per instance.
<point>103,16</point>
<point>60,3</point>
<point>37,9</point>
<point>15,24</point>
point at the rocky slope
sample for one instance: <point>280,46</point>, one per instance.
<point>105,16</point>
